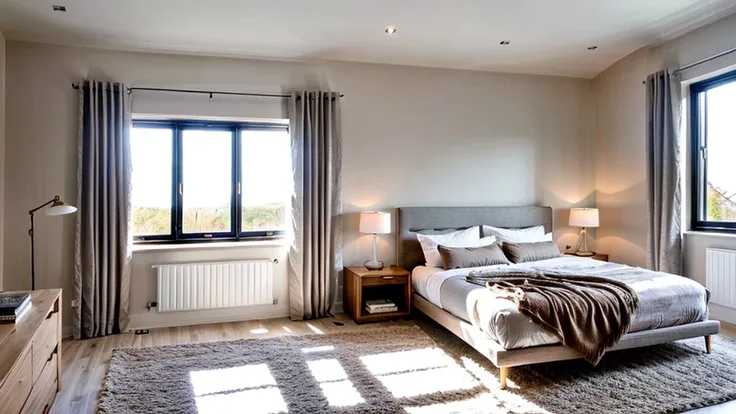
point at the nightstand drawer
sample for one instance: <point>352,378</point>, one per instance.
<point>384,280</point>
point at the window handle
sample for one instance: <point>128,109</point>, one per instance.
<point>704,151</point>
<point>181,188</point>
<point>238,188</point>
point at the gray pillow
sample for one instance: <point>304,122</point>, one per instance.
<point>529,252</point>
<point>462,257</point>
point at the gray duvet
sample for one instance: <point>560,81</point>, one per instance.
<point>664,300</point>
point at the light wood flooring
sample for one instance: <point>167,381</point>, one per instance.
<point>85,362</point>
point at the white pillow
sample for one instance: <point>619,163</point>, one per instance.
<point>525,235</point>
<point>462,238</point>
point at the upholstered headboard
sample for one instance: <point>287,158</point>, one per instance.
<point>413,220</point>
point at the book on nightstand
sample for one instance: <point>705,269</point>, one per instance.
<point>380,306</point>
<point>13,306</point>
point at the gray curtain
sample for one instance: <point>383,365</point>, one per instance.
<point>315,257</point>
<point>664,114</point>
<point>103,239</point>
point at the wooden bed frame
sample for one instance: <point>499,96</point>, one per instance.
<point>409,221</point>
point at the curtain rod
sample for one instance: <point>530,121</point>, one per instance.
<point>701,61</point>
<point>210,93</point>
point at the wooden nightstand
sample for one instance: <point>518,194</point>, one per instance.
<point>361,284</point>
<point>598,256</point>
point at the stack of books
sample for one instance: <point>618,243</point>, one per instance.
<point>380,306</point>
<point>13,306</point>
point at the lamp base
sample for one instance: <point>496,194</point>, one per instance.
<point>585,253</point>
<point>374,265</point>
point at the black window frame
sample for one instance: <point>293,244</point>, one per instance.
<point>699,154</point>
<point>236,233</point>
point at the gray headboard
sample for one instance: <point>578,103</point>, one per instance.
<point>413,220</point>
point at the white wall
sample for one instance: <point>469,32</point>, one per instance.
<point>620,140</point>
<point>412,137</point>
<point>2,149</point>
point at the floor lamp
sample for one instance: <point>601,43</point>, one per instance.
<point>58,208</point>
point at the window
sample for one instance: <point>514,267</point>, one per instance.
<point>713,133</point>
<point>196,180</point>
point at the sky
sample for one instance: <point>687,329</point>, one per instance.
<point>721,124</point>
<point>266,171</point>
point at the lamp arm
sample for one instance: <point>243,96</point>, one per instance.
<point>56,198</point>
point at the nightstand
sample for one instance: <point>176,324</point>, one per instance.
<point>361,284</point>
<point>598,256</point>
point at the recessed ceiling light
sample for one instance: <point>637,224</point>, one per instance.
<point>390,29</point>
<point>58,8</point>
<point>592,47</point>
<point>505,42</point>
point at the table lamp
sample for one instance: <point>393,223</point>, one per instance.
<point>585,218</point>
<point>375,223</point>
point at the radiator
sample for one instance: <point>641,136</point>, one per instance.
<point>720,276</point>
<point>192,286</point>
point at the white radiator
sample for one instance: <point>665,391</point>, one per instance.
<point>192,286</point>
<point>720,276</point>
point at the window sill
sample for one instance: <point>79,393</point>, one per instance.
<point>704,233</point>
<point>161,247</point>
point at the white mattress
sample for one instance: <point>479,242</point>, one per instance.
<point>665,300</point>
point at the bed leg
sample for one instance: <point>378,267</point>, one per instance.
<point>707,344</point>
<point>503,372</point>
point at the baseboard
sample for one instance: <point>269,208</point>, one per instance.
<point>722,313</point>
<point>156,319</point>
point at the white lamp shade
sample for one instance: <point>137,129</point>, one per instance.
<point>584,217</point>
<point>375,222</point>
<point>60,210</point>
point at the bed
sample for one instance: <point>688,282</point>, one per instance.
<point>672,307</point>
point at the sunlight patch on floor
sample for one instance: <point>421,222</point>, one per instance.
<point>230,379</point>
<point>259,331</point>
<point>418,372</point>
<point>287,329</point>
<point>339,391</point>
<point>228,390</point>
<point>395,362</point>
<point>511,401</point>
<point>258,401</point>
<point>315,329</point>
<point>327,370</point>
<point>315,349</point>
<point>484,403</point>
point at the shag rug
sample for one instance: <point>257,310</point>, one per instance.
<point>417,368</point>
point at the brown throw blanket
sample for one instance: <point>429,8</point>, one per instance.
<point>588,313</point>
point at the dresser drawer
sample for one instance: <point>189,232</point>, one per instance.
<point>44,390</point>
<point>44,343</point>
<point>17,384</point>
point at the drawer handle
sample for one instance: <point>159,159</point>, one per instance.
<point>51,314</point>
<point>46,408</point>
<point>387,277</point>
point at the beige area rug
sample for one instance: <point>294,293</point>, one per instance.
<point>415,369</point>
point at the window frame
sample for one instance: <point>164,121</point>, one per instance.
<point>236,233</point>
<point>699,155</point>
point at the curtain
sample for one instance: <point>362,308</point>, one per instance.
<point>664,111</point>
<point>315,256</point>
<point>102,250</point>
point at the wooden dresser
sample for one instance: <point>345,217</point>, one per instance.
<point>30,356</point>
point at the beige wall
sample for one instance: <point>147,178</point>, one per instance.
<point>620,142</point>
<point>412,137</point>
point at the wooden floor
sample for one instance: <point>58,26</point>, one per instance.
<point>85,362</point>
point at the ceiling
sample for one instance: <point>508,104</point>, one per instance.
<point>548,37</point>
